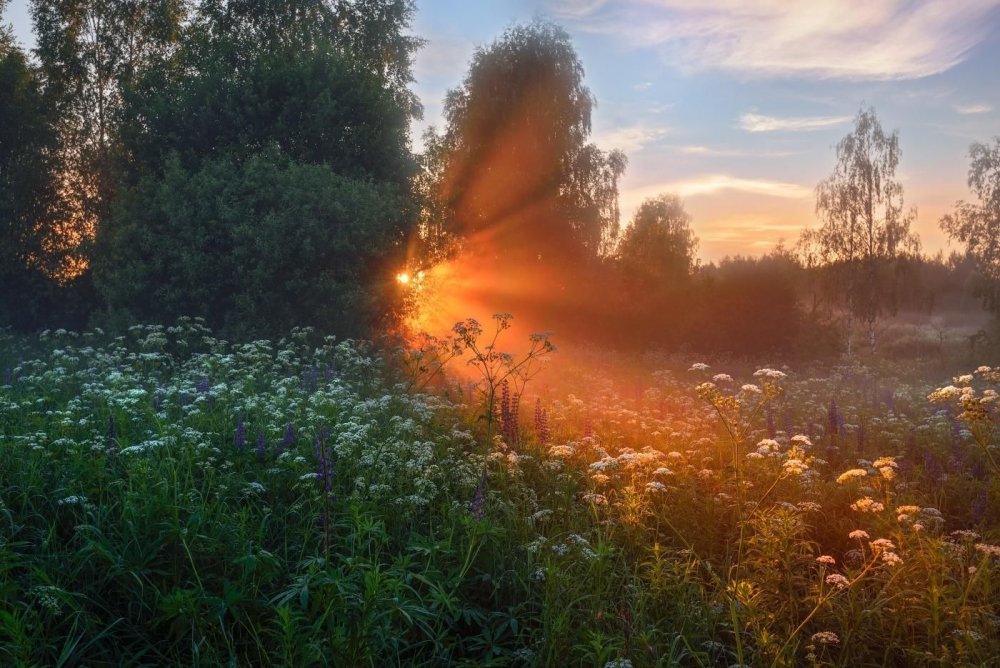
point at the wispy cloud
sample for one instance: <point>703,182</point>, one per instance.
<point>631,138</point>
<point>973,108</point>
<point>890,39</point>
<point>760,123</point>
<point>710,184</point>
<point>712,151</point>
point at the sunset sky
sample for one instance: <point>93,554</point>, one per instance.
<point>738,108</point>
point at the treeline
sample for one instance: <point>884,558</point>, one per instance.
<point>250,163</point>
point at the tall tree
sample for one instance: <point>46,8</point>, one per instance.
<point>518,165</point>
<point>865,228</point>
<point>32,218</point>
<point>90,52</point>
<point>977,225</point>
<point>657,249</point>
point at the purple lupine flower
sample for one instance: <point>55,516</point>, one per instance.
<point>202,386</point>
<point>325,466</point>
<point>260,447</point>
<point>541,423</point>
<point>288,441</point>
<point>241,435</point>
<point>479,499</point>
<point>835,421</point>
<point>509,414</point>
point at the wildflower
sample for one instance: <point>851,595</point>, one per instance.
<point>826,638</point>
<point>655,486</point>
<point>944,394</point>
<point>852,473</point>
<point>241,435</point>
<point>858,534</point>
<point>880,544</point>
<point>801,440</point>
<point>837,581</point>
<point>324,464</point>
<point>595,499</point>
<point>826,560</point>
<point>699,366</point>
<point>767,444</point>
<point>891,558</point>
<point>990,550</point>
<point>750,389</point>
<point>561,451</point>
<point>618,663</point>
<point>795,466</point>
<point>722,378</point>
<point>663,471</point>
<point>260,448</point>
<point>773,374</point>
<point>867,504</point>
<point>479,499</point>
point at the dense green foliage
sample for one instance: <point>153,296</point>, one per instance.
<point>261,196</point>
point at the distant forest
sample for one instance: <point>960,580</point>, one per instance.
<point>251,163</point>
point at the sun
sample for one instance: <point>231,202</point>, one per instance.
<point>403,278</point>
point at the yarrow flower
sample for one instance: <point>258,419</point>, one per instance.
<point>880,544</point>
<point>858,534</point>
<point>837,581</point>
<point>826,638</point>
<point>769,373</point>
<point>826,560</point>
<point>852,473</point>
<point>867,504</point>
<point>699,366</point>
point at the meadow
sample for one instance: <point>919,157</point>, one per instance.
<point>169,498</point>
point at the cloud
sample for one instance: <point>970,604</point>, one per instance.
<point>973,108</point>
<point>889,39</point>
<point>711,151</point>
<point>760,123</point>
<point>711,184</point>
<point>632,138</point>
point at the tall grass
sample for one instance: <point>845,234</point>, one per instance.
<point>168,498</point>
